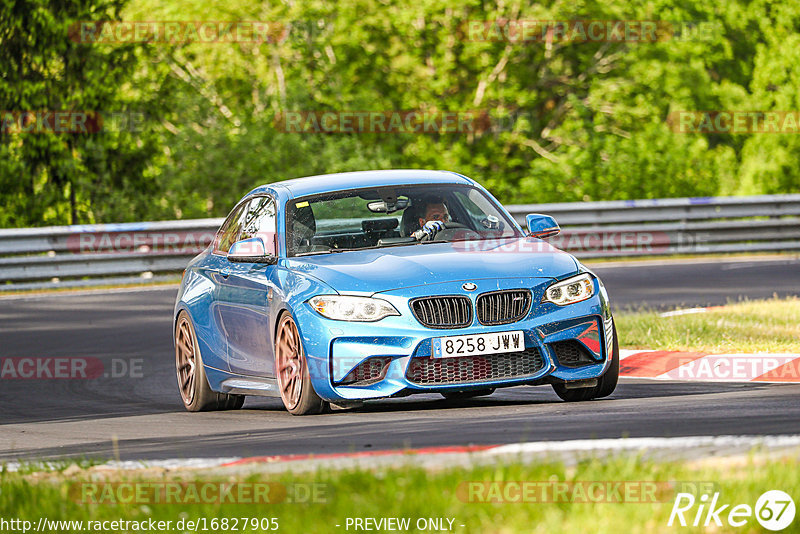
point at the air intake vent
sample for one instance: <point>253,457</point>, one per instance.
<point>572,353</point>
<point>503,307</point>
<point>453,311</point>
<point>367,372</point>
<point>464,369</point>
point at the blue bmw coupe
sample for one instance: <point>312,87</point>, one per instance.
<point>340,288</point>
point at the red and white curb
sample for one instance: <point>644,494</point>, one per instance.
<point>461,455</point>
<point>705,367</point>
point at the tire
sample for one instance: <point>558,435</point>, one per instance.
<point>574,395</point>
<point>291,369</point>
<point>461,395</point>
<point>193,386</point>
<point>606,384</point>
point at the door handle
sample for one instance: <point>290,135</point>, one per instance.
<point>225,272</point>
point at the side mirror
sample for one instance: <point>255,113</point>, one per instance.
<point>251,250</point>
<point>542,226</point>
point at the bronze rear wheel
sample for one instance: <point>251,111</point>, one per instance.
<point>185,363</point>
<point>193,386</point>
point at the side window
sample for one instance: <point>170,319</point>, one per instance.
<point>260,221</point>
<point>484,215</point>
<point>229,230</point>
<point>469,203</point>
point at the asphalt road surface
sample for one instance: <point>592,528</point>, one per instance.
<point>138,415</point>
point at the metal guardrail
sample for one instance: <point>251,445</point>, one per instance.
<point>704,225</point>
<point>64,256</point>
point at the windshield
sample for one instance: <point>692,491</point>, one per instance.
<point>392,216</point>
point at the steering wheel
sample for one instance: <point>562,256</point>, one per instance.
<point>456,230</point>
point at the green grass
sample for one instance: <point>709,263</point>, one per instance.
<point>757,326</point>
<point>416,493</point>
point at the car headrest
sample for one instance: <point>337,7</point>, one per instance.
<point>409,222</point>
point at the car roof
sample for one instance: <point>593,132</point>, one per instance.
<point>325,183</point>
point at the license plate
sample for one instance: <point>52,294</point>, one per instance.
<point>478,344</point>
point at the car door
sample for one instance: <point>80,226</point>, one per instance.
<point>217,269</point>
<point>242,300</point>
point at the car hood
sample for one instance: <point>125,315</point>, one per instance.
<point>376,270</point>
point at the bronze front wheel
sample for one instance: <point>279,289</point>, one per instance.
<point>291,368</point>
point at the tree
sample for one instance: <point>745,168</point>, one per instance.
<point>67,174</point>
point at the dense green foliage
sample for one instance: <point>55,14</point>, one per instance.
<point>571,120</point>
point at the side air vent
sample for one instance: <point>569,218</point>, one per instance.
<point>367,372</point>
<point>572,353</point>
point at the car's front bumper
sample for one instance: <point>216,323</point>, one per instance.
<point>335,348</point>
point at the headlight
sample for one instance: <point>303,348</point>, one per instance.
<point>347,308</point>
<point>571,290</point>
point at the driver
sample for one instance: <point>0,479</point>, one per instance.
<point>433,220</point>
<point>435,211</point>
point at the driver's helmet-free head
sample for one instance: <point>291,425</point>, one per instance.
<point>418,210</point>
